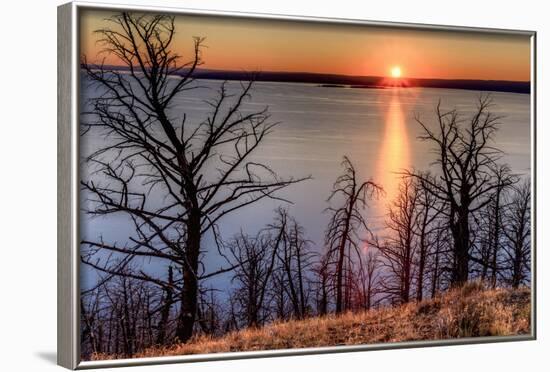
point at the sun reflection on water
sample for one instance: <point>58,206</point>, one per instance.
<point>394,153</point>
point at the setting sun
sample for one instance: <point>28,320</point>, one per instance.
<point>395,72</point>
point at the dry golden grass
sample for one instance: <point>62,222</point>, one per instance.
<point>467,312</point>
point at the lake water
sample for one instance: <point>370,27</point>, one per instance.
<point>375,128</point>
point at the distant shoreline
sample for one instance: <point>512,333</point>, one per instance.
<point>359,82</point>
<point>367,82</point>
<point>353,86</point>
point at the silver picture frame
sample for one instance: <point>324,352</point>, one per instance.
<point>68,313</point>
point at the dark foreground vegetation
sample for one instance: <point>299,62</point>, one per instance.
<point>471,311</point>
<point>466,218</point>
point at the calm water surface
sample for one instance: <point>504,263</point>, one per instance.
<point>375,128</point>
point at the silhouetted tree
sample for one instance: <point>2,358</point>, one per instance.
<point>168,301</point>
<point>518,233</point>
<point>342,237</point>
<point>428,211</point>
<point>210,314</point>
<point>400,246</point>
<point>119,316</point>
<point>201,171</point>
<point>323,287</point>
<point>367,282</point>
<point>294,261</point>
<point>256,258</point>
<point>491,229</point>
<point>466,162</point>
<point>439,257</point>
<point>90,322</point>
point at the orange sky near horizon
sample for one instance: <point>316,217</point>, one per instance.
<point>245,44</point>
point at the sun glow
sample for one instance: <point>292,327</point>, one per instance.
<point>394,153</point>
<point>395,72</point>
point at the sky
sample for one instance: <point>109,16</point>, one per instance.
<point>245,44</point>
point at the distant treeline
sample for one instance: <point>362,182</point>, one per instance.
<point>336,80</point>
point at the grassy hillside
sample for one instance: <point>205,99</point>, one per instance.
<point>467,312</point>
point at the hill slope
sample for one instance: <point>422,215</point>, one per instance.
<point>467,312</point>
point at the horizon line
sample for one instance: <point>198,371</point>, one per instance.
<point>252,72</point>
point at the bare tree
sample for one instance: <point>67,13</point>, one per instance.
<point>323,286</point>
<point>118,317</point>
<point>342,237</point>
<point>367,286</point>
<point>466,163</point>
<point>491,229</point>
<point>294,261</point>
<point>91,329</point>
<point>400,246</point>
<point>428,211</point>
<point>279,294</point>
<point>518,232</point>
<point>256,258</point>
<point>166,306</point>
<point>439,257</point>
<point>201,171</point>
<point>210,314</point>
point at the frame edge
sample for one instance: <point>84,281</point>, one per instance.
<point>68,331</point>
<point>65,284</point>
<point>534,187</point>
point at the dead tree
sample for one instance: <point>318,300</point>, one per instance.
<point>367,286</point>
<point>399,247</point>
<point>119,317</point>
<point>518,233</point>
<point>200,170</point>
<point>491,229</point>
<point>323,287</point>
<point>465,162</point>
<point>428,211</point>
<point>294,261</point>
<point>166,306</point>
<point>279,294</point>
<point>210,315</point>
<point>91,327</point>
<point>439,257</point>
<point>255,258</point>
<point>342,237</point>
<point>302,257</point>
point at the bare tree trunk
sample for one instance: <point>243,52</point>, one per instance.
<point>322,292</point>
<point>423,249</point>
<point>497,232</point>
<point>407,265</point>
<point>188,310</point>
<point>518,233</point>
<point>341,257</point>
<point>165,313</point>
<point>461,239</point>
<point>436,259</point>
<point>301,283</point>
<point>126,328</point>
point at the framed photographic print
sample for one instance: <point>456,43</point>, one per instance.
<point>247,185</point>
